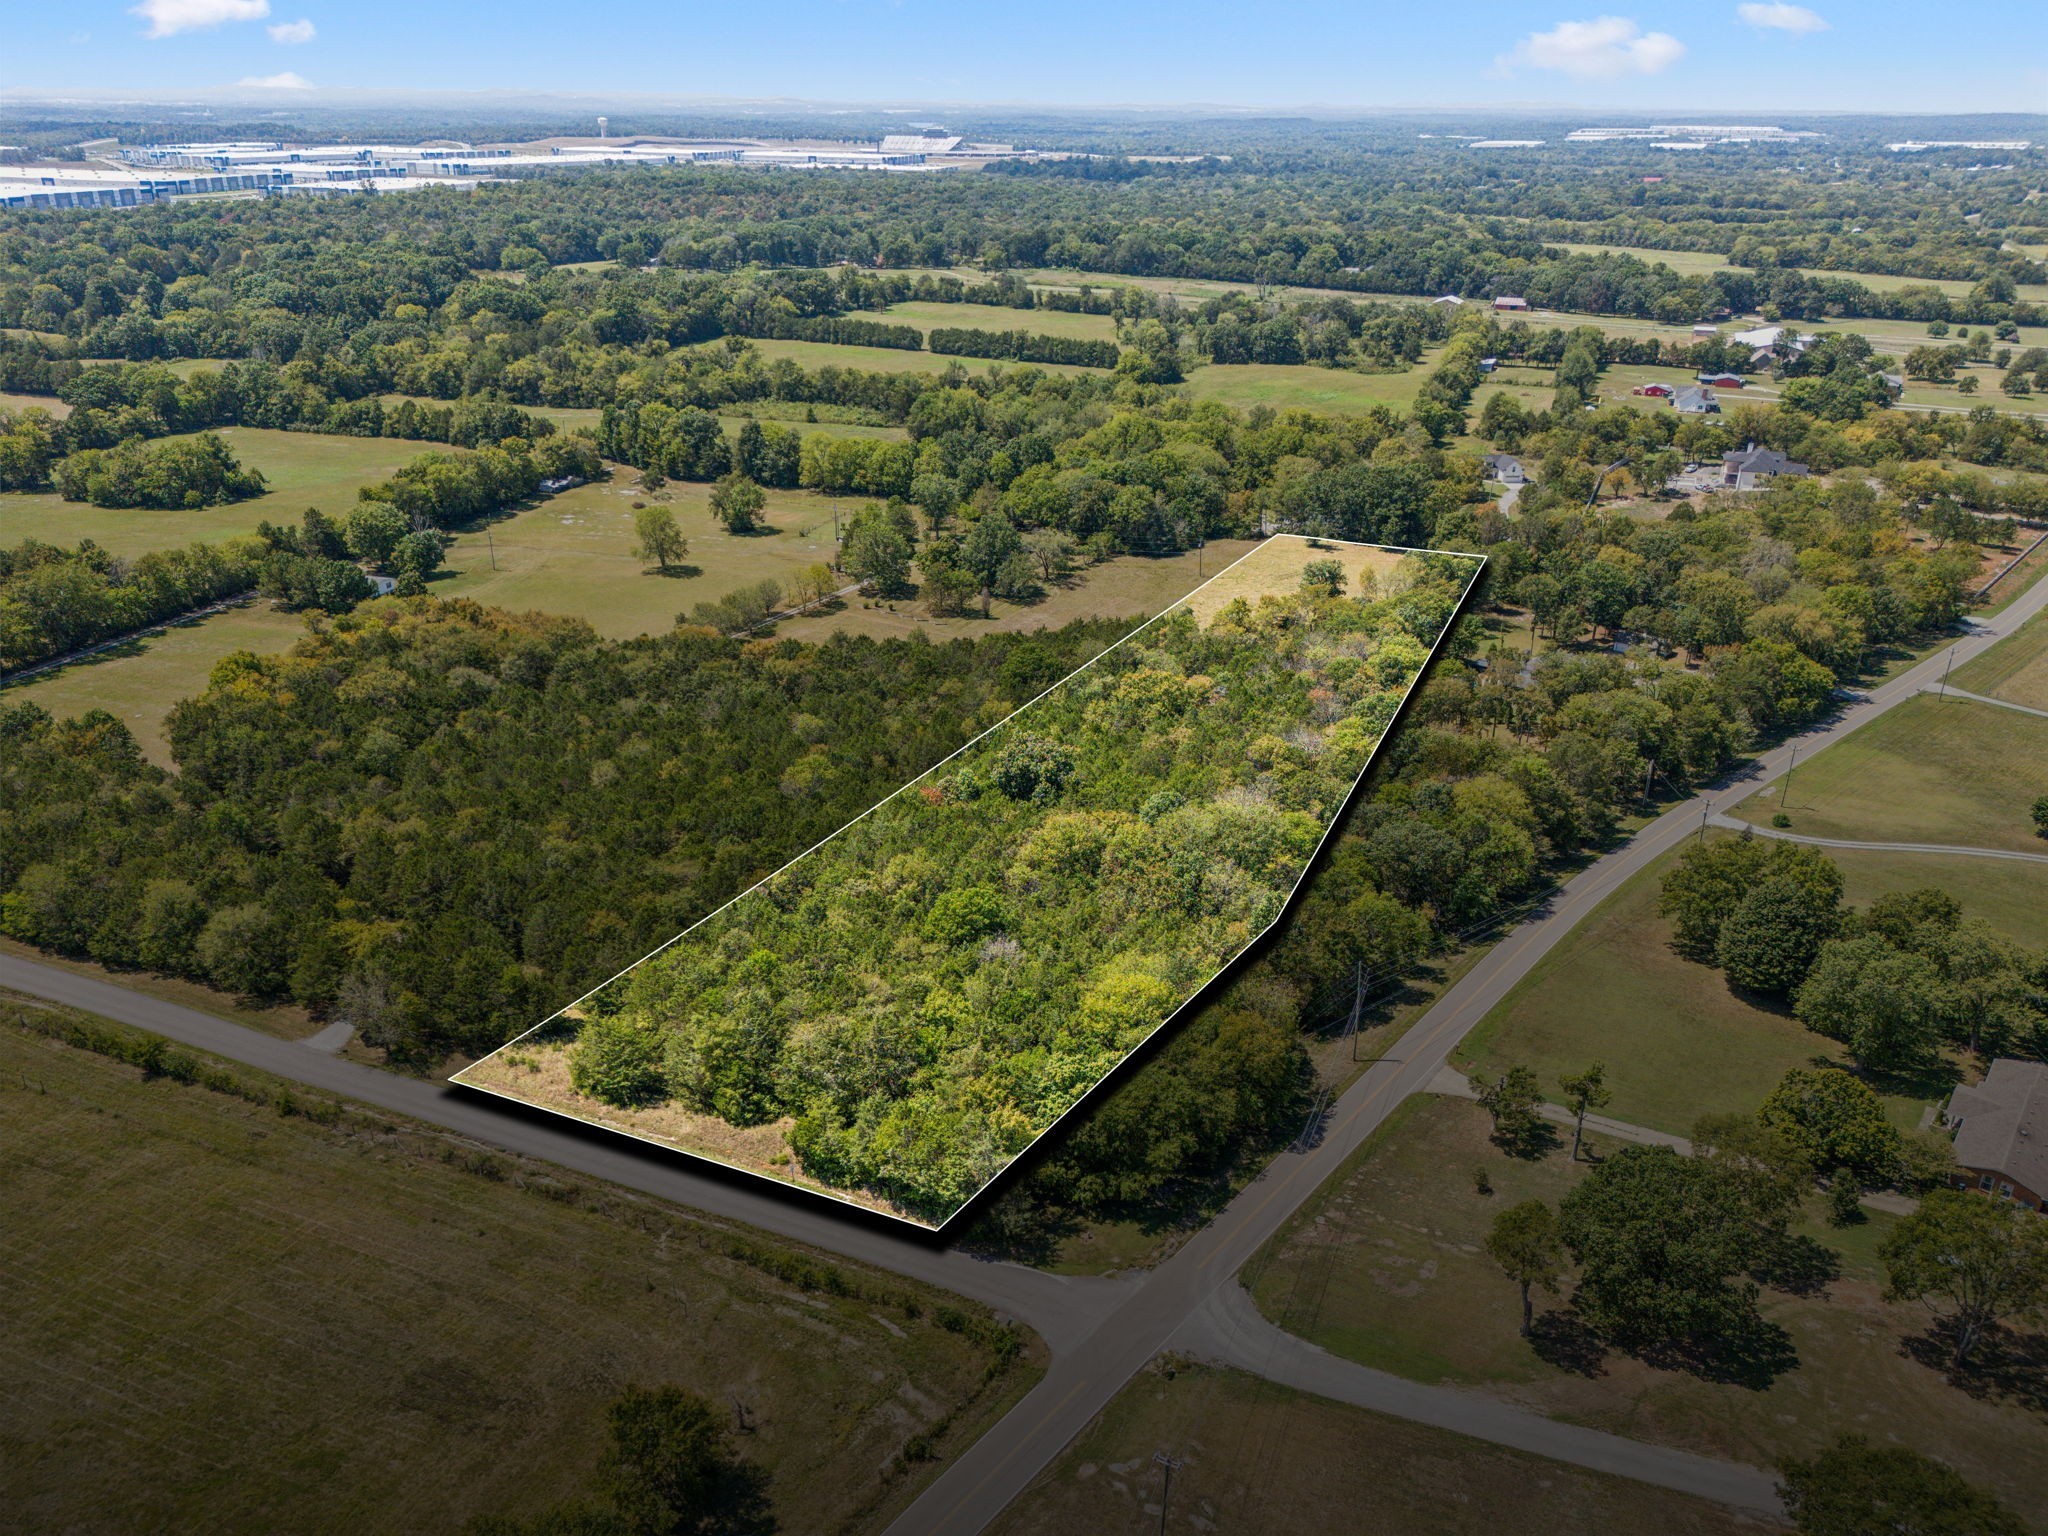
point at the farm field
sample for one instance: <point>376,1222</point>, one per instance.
<point>1689,262</point>
<point>574,554</point>
<point>1305,386</point>
<point>1197,289</point>
<point>138,682</point>
<point>1930,770</point>
<point>1384,1266</point>
<point>1677,1042</point>
<point>990,317</point>
<point>1256,1456</point>
<point>304,469</point>
<point>830,354</point>
<point>369,1325</point>
<point>2015,669</point>
<point>10,401</point>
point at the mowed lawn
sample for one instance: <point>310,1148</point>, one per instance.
<point>305,469</point>
<point>1931,770</point>
<point>2015,669</point>
<point>993,317</point>
<point>1305,386</point>
<point>1386,1267</point>
<point>2010,896</point>
<point>10,401</point>
<point>224,1318</point>
<point>1255,1456</point>
<point>139,681</point>
<point>576,554</point>
<point>1676,1041</point>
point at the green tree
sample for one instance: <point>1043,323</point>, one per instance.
<point>877,556</point>
<point>1835,1121</point>
<point>1973,1261</point>
<point>736,502</point>
<point>1323,578</point>
<point>670,1467</point>
<point>1510,1100</point>
<point>1885,1004</point>
<point>2040,815</point>
<point>1769,942</point>
<point>618,1061</point>
<point>988,546</point>
<point>1584,1092</point>
<point>1524,1242</point>
<point>1663,1243</point>
<point>372,530</point>
<point>660,539</point>
<point>1854,1488</point>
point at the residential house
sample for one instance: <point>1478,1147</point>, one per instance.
<point>1750,467</point>
<point>2001,1133</point>
<point>1695,402</point>
<point>1505,468</point>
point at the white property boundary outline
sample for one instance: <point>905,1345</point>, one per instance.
<point>1196,995</point>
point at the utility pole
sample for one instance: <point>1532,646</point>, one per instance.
<point>1172,1464</point>
<point>1943,691</point>
<point>493,543</point>
<point>1785,788</point>
<point>1706,810</point>
<point>1357,1006</point>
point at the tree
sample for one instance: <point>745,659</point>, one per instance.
<point>1524,1242</point>
<point>2039,812</point>
<point>877,556</point>
<point>1885,1004</point>
<point>1511,1100</point>
<point>660,539</point>
<point>669,1468</point>
<point>1584,1092</point>
<point>1854,1488</point>
<point>372,530</point>
<point>1770,941</point>
<point>736,502</point>
<point>1663,1243</point>
<point>1835,1121</point>
<point>618,1061</point>
<point>1323,578</point>
<point>1972,1260</point>
<point>1051,552</point>
<point>987,548</point>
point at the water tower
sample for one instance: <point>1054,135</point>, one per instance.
<point>604,125</point>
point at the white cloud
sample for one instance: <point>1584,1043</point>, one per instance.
<point>288,80</point>
<point>1601,49</point>
<point>300,31</point>
<point>168,16</point>
<point>1781,18</point>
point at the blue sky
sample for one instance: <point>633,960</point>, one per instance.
<point>1882,55</point>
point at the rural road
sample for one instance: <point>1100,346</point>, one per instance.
<point>1100,1331</point>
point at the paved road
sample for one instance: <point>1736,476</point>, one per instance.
<point>1061,1309</point>
<point>1736,824</point>
<point>1101,1331</point>
<point>992,1472</point>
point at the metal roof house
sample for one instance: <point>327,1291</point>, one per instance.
<point>2001,1132</point>
<point>1695,402</point>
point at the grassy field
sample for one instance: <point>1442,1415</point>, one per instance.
<point>2011,897</point>
<point>139,682</point>
<point>1676,1041</point>
<point>305,469</point>
<point>222,1317</point>
<point>1197,289</point>
<point>1696,262</point>
<point>828,354</point>
<point>575,554</point>
<point>1305,386</point>
<point>1385,1267</point>
<point>1257,1457</point>
<point>992,317</point>
<point>2016,668</point>
<point>13,402</point>
<point>1930,770</point>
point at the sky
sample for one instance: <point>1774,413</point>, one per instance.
<point>1834,55</point>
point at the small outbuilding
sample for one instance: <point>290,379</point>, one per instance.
<point>1510,301</point>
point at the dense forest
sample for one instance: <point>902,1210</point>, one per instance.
<point>930,990</point>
